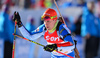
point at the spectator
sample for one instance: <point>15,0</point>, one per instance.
<point>33,3</point>
<point>48,3</point>
<point>78,25</point>
<point>98,23</point>
<point>89,30</point>
<point>41,3</point>
<point>81,3</point>
<point>27,4</point>
<point>65,3</point>
<point>30,24</point>
<point>98,18</point>
<point>6,30</point>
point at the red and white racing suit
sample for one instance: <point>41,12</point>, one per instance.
<point>65,46</point>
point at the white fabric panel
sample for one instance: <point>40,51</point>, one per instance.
<point>27,35</point>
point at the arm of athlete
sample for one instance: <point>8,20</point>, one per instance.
<point>65,35</point>
<point>33,35</point>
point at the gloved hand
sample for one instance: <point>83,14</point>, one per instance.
<point>50,48</point>
<point>16,16</point>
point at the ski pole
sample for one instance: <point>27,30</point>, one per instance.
<point>28,40</point>
<point>42,45</point>
<point>13,51</point>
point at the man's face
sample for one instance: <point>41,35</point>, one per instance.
<point>91,6</point>
<point>49,24</point>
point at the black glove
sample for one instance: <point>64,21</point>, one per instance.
<point>50,48</point>
<point>16,16</point>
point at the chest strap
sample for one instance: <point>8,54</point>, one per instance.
<point>64,35</point>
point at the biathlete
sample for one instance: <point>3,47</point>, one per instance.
<point>57,34</point>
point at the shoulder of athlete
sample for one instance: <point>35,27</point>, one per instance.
<point>63,29</point>
<point>41,28</point>
<point>65,33</point>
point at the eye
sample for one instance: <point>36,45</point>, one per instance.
<point>48,21</point>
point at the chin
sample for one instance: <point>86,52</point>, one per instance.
<point>48,29</point>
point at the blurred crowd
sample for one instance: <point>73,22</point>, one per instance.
<point>44,3</point>
<point>85,27</point>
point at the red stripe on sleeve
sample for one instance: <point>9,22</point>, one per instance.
<point>64,44</point>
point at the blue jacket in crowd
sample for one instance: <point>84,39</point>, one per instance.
<point>30,27</point>
<point>6,27</point>
<point>89,24</point>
